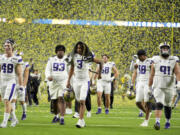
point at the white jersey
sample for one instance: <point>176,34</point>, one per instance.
<point>8,66</point>
<point>81,68</point>
<point>143,70</point>
<point>57,69</point>
<point>106,70</point>
<point>164,71</point>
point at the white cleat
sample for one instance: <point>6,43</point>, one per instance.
<point>80,123</point>
<point>14,123</point>
<point>89,114</point>
<point>3,125</point>
<point>144,124</point>
<point>76,115</point>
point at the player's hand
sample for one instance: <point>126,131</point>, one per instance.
<point>110,79</point>
<point>135,57</point>
<point>132,87</point>
<point>68,85</point>
<point>150,91</point>
<point>99,76</point>
<point>21,90</point>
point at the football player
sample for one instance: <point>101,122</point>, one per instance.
<point>81,56</point>
<point>141,74</point>
<point>56,72</point>
<point>10,67</point>
<point>162,77</point>
<point>104,84</point>
<point>21,95</point>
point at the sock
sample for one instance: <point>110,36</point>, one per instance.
<point>140,111</point>
<point>168,120</point>
<point>57,116</point>
<point>13,111</point>
<point>158,120</point>
<point>99,107</point>
<point>62,117</point>
<point>24,108</point>
<point>6,117</point>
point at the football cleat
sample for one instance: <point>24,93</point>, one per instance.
<point>157,126</point>
<point>76,115</point>
<point>167,125</point>
<point>54,120</point>
<point>89,114</point>
<point>14,123</point>
<point>3,125</point>
<point>140,114</point>
<point>144,124</point>
<point>80,123</point>
<point>23,116</point>
<point>107,111</point>
<point>99,111</point>
<point>61,121</point>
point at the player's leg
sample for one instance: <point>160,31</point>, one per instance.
<point>8,93</point>
<point>68,107</point>
<point>147,106</point>
<point>159,97</point>
<point>167,107</point>
<point>82,97</point>
<point>76,108</point>
<point>177,99</point>
<point>61,107</point>
<point>140,96</point>
<point>22,98</point>
<point>107,97</point>
<point>99,96</point>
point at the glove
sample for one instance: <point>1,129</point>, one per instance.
<point>21,91</point>
<point>131,87</point>
<point>150,91</point>
<point>135,57</point>
<point>111,79</point>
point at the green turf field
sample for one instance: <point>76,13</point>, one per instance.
<point>122,120</point>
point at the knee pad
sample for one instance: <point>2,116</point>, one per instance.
<point>159,106</point>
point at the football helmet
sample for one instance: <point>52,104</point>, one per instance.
<point>69,94</point>
<point>130,95</point>
<point>93,89</point>
<point>164,53</point>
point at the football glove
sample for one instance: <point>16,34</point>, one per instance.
<point>132,87</point>
<point>21,91</point>
<point>150,91</point>
<point>110,79</point>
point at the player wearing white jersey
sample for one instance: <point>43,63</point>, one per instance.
<point>10,67</point>
<point>56,71</point>
<point>141,74</point>
<point>80,58</point>
<point>104,84</point>
<point>21,95</point>
<point>162,77</point>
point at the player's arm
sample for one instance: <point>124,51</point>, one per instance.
<point>151,77</point>
<point>71,72</point>
<point>100,66</point>
<point>48,71</point>
<point>26,76</point>
<point>177,71</point>
<point>19,74</point>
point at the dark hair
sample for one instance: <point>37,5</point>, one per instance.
<point>84,47</point>
<point>141,52</point>
<point>105,55</point>
<point>60,48</point>
<point>10,40</point>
